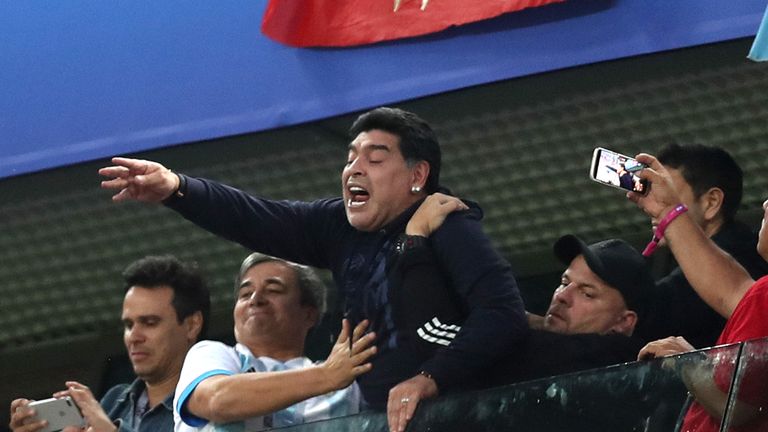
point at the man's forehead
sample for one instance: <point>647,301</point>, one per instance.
<point>375,139</point>
<point>146,311</point>
<point>154,294</point>
<point>356,146</point>
<point>154,300</point>
<point>270,270</point>
<point>579,269</point>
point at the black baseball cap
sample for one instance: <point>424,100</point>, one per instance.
<point>616,262</point>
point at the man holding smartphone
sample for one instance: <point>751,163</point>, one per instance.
<point>165,311</point>
<point>727,287</point>
<point>709,183</point>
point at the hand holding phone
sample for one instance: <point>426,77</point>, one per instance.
<point>58,412</point>
<point>617,170</point>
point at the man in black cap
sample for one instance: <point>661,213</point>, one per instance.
<point>592,315</point>
<point>589,323</point>
<point>601,291</point>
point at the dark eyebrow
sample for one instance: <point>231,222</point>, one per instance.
<point>372,147</point>
<point>141,318</point>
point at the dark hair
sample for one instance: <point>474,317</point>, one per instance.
<point>190,293</point>
<point>312,289</point>
<point>704,167</point>
<point>418,141</point>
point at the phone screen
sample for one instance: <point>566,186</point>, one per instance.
<point>617,170</point>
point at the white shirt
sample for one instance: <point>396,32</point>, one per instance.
<point>209,358</point>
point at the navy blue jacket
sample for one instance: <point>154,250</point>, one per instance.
<point>317,233</point>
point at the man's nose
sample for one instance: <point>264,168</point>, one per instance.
<point>563,294</point>
<point>135,334</point>
<point>355,167</point>
<point>257,297</point>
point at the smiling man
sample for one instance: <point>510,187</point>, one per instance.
<point>276,304</point>
<point>165,310</point>
<point>393,162</point>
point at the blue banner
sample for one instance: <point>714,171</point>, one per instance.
<point>81,80</point>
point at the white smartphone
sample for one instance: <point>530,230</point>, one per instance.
<point>59,412</point>
<point>617,170</point>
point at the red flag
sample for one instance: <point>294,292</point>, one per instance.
<point>306,23</point>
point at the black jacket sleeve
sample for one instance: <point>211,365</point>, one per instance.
<point>304,232</point>
<point>488,297</point>
<point>427,312</point>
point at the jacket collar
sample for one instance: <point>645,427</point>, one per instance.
<point>137,387</point>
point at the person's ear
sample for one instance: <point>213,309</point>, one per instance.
<point>311,316</point>
<point>711,203</point>
<point>194,325</point>
<point>419,174</point>
<point>625,324</point>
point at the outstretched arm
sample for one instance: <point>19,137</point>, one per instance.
<point>220,398</point>
<point>717,278</point>
<point>139,180</point>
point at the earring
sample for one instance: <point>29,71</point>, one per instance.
<point>415,189</point>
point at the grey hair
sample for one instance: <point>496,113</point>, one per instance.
<point>313,290</point>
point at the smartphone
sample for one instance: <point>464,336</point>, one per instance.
<point>617,170</point>
<point>60,413</point>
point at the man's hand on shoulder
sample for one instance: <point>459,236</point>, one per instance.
<point>432,213</point>
<point>405,397</point>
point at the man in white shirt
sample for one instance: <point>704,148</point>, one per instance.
<point>265,381</point>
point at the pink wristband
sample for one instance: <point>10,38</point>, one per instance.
<point>662,227</point>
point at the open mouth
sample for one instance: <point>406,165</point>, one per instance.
<point>358,196</point>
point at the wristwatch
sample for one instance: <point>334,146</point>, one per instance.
<point>407,242</point>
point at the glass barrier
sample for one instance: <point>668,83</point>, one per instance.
<point>748,398</point>
<point>707,376</point>
<point>644,396</point>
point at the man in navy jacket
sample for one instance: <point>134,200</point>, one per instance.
<point>393,163</point>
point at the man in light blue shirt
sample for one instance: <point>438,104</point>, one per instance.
<point>265,381</point>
